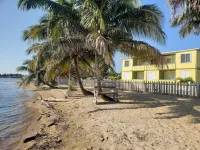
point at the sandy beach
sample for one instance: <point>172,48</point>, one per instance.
<point>139,121</point>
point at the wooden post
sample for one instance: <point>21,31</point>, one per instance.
<point>146,86</point>
<point>198,92</point>
<point>177,89</point>
<point>181,89</point>
<point>163,87</point>
<point>95,96</point>
<point>190,94</point>
<point>193,90</point>
<point>187,89</point>
<point>172,88</point>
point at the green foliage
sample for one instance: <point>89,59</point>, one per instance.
<point>186,16</point>
<point>83,29</point>
<point>118,77</point>
<point>185,80</point>
<point>189,79</point>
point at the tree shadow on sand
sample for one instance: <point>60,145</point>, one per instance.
<point>178,106</point>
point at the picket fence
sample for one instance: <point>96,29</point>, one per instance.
<point>165,88</point>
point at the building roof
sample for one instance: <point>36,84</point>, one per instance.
<point>172,52</point>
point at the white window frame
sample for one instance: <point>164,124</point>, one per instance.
<point>185,58</point>
<point>185,74</point>
<point>127,75</point>
<point>151,75</point>
<point>127,61</point>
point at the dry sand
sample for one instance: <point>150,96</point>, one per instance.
<point>139,121</point>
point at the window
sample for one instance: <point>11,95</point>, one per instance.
<point>127,63</point>
<point>168,76</point>
<point>140,75</point>
<point>151,75</point>
<point>186,58</point>
<point>169,60</point>
<point>185,74</point>
<point>126,75</point>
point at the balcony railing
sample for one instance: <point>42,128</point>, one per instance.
<point>154,67</point>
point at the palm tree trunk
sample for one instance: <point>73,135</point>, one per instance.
<point>99,88</point>
<point>69,79</point>
<point>97,73</point>
<point>83,90</point>
<point>50,85</point>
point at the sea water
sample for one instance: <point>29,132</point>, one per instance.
<point>13,111</point>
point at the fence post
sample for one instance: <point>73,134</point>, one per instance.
<point>164,87</point>
<point>177,89</point>
<point>198,92</point>
<point>194,89</point>
<point>167,88</point>
<point>159,88</point>
<point>187,89</point>
<point>129,86</point>
<point>171,88</point>
<point>181,90</point>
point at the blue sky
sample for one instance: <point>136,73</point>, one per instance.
<point>14,21</point>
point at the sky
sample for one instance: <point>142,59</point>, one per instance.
<point>13,21</point>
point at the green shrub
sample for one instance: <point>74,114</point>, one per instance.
<point>112,78</point>
<point>185,80</point>
<point>189,79</point>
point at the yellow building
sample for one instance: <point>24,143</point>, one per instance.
<point>183,64</point>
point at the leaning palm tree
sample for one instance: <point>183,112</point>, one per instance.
<point>110,26</point>
<point>34,73</point>
<point>67,48</point>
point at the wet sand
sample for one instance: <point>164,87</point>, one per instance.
<point>139,121</point>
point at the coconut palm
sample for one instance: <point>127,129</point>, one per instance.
<point>188,21</point>
<point>184,4</point>
<point>35,74</point>
<point>110,26</point>
<point>62,42</point>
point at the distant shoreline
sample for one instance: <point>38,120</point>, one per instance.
<point>10,77</point>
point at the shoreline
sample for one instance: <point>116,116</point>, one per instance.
<point>39,125</point>
<point>138,121</point>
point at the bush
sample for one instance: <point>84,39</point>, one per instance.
<point>185,80</point>
<point>189,79</point>
<point>112,78</point>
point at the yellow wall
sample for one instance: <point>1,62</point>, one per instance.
<point>198,76</point>
<point>192,73</point>
<point>130,66</point>
<point>180,65</point>
<point>198,59</point>
<point>130,75</point>
<point>172,74</point>
<point>191,67</point>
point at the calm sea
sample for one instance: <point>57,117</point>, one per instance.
<point>13,112</point>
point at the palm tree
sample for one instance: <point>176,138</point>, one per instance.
<point>35,74</point>
<point>188,21</point>
<point>68,46</point>
<point>114,24</point>
<point>187,18</point>
<point>110,26</point>
<point>183,4</point>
